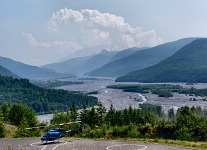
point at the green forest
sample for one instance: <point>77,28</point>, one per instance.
<point>21,91</point>
<point>21,101</point>
<point>187,124</point>
<point>52,83</point>
<point>162,90</point>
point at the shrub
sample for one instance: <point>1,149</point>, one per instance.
<point>147,130</point>
<point>134,133</point>
<point>120,131</point>
<point>97,133</point>
<point>2,130</point>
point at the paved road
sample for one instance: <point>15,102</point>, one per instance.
<point>31,144</point>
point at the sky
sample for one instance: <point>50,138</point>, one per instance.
<point>40,32</point>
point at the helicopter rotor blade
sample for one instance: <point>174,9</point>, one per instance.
<point>61,124</point>
<point>36,127</point>
<point>67,131</point>
<point>73,122</point>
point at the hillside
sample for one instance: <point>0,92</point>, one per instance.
<point>189,64</point>
<point>82,65</point>
<point>67,65</point>
<point>27,71</point>
<point>125,53</point>
<point>140,59</point>
<point>6,72</point>
<point>13,90</point>
<point>84,52</point>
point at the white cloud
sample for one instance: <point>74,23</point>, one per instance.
<point>44,52</point>
<point>74,30</point>
<point>49,45</point>
<point>93,28</point>
<point>31,39</point>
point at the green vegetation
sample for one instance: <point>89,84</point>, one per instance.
<point>52,83</point>
<point>20,116</point>
<point>162,90</point>
<point>13,90</point>
<point>194,91</point>
<point>2,127</point>
<point>147,122</point>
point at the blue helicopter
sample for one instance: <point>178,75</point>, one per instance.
<point>57,133</point>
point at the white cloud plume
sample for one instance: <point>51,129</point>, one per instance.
<point>93,28</point>
<point>87,28</point>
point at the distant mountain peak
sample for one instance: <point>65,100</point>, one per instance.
<point>104,51</point>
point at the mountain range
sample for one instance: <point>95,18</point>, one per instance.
<point>82,65</point>
<point>133,64</point>
<point>83,52</point>
<point>189,64</point>
<point>118,63</point>
<point>139,59</point>
<point>26,71</point>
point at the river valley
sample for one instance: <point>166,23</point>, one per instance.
<point>121,100</point>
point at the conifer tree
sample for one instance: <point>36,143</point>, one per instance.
<point>5,108</point>
<point>2,129</point>
<point>93,117</point>
<point>126,117</point>
<point>101,110</point>
<point>74,112</point>
<point>171,115</point>
<point>110,116</point>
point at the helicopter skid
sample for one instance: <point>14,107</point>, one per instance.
<point>49,142</point>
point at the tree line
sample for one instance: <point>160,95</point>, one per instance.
<point>20,117</point>
<point>149,121</point>
<point>13,90</point>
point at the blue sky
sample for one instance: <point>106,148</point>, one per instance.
<point>44,31</point>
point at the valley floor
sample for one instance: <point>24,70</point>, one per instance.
<point>121,100</point>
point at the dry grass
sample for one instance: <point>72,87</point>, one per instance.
<point>10,130</point>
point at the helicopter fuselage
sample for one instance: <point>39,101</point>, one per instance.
<point>52,135</point>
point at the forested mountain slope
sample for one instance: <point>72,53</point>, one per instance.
<point>27,71</point>
<point>13,90</point>
<point>6,72</point>
<point>187,65</point>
